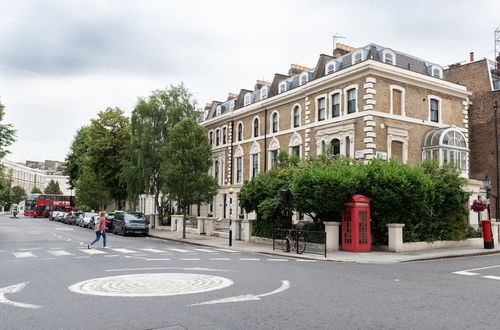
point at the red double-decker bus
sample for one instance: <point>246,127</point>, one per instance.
<point>42,205</point>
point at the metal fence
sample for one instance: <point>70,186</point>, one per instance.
<point>300,241</point>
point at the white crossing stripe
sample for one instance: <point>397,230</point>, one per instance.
<point>220,258</point>
<point>249,259</point>
<point>491,277</point>
<point>28,254</point>
<point>205,250</point>
<point>277,259</point>
<point>91,251</point>
<point>153,250</point>
<point>189,259</point>
<point>179,250</point>
<point>305,260</point>
<point>124,250</point>
<point>111,255</point>
<point>58,253</point>
<point>226,250</point>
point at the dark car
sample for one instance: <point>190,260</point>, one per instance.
<point>109,221</point>
<point>130,223</point>
<point>71,218</point>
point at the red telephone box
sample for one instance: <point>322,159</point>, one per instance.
<point>356,234</point>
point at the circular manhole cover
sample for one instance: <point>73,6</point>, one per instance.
<point>150,285</point>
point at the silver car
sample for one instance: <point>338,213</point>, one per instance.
<point>84,219</point>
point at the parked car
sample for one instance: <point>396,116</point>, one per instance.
<point>72,217</point>
<point>84,218</point>
<point>64,218</point>
<point>58,216</point>
<point>52,215</point>
<point>130,223</point>
<point>109,221</point>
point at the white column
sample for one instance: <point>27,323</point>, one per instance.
<point>332,235</point>
<point>494,229</point>
<point>209,226</point>
<point>395,236</point>
<point>236,229</point>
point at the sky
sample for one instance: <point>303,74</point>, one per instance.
<point>62,62</point>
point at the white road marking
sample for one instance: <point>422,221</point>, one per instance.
<point>285,285</point>
<point>28,254</point>
<point>169,268</point>
<point>92,251</point>
<point>277,259</point>
<point>64,228</point>
<point>179,250</point>
<point>151,285</point>
<point>220,258</point>
<point>58,253</point>
<point>111,255</point>
<point>463,272</point>
<point>12,289</point>
<point>491,277</point>
<point>153,250</point>
<point>470,272</point>
<point>30,249</point>
<point>189,259</point>
<point>81,257</point>
<point>249,259</point>
<point>306,260</point>
<point>226,250</point>
<point>124,250</point>
<point>158,259</point>
<point>205,250</point>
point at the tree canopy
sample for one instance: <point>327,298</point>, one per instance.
<point>36,190</point>
<point>76,155</point>
<point>52,188</point>
<point>7,133</point>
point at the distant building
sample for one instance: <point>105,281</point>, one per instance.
<point>482,78</point>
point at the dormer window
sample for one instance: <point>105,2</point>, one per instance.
<point>263,92</point>
<point>282,87</point>
<point>436,71</point>
<point>231,105</point>
<point>218,110</point>
<point>330,67</point>
<point>357,56</point>
<point>248,99</point>
<point>389,57</point>
<point>303,78</point>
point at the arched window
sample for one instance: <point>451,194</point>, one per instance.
<point>296,116</point>
<point>240,132</point>
<point>357,56</point>
<point>330,67</point>
<point>275,122</point>
<point>389,57</point>
<point>446,145</point>
<point>248,99</point>
<point>335,145</point>
<point>256,127</point>
<point>216,171</point>
<point>282,87</point>
<point>263,92</point>
<point>303,78</point>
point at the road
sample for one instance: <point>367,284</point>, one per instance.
<point>50,280</point>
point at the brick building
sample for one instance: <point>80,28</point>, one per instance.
<point>482,78</point>
<point>365,102</point>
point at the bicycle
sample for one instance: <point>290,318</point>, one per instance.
<point>288,242</point>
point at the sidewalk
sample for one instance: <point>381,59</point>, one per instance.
<point>375,257</point>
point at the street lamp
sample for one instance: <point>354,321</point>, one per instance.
<point>231,191</point>
<point>487,187</point>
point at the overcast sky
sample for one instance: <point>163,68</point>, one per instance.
<point>61,62</point>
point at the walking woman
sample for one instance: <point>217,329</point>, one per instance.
<point>100,229</point>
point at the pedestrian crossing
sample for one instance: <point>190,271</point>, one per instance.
<point>187,254</point>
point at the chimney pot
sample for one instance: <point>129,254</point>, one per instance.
<point>471,56</point>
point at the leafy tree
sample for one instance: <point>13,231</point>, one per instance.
<point>18,194</point>
<point>109,135</point>
<point>90,191</point>
<point>151,124</point>
<point>36,190</point>
<point>53,188</point>
<point>77,152</point>
<point>187,159</point>
<point>7,133</point>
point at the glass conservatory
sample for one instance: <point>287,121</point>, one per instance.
<point>446,145</point>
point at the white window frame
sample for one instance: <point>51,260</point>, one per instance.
<point>275,112</point>
<point>242,131</point>
<point>330,95</point>
<point>439,68</point>
<point>264,91</point>
<point>292,115</point>
<point>440,107</point>
<point>274,145</point>
<point>252,156</point>
<point>224,135</point>
<point>295,141</point>
<point>211,133</point>
<point>355,54</point>
<point>218,110</point>
<point>253,126</point>
<point>239,154</point>
<point>282,87</point>
<point>316,101</point>
<point>386,52</point>
<point>400,135</point>
<point>231,105</point>
<point>391,106</point>
<point>217,137</point>
<point>330,64</point>
<point>247,99</point>
<point>303,78</point>
<point>346,101</point>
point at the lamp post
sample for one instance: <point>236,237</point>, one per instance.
<point>231,191</point>
<point>487,187</point>
<point>495,108</point>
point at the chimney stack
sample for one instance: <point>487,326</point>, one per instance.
<point>471,56</point>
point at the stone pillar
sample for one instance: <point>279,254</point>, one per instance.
<point>173,224</point>
<point>395,237</point>
<point>209,226</point>
<point>236,229</point>
<point>494,229</point>
<point>332,235</point>
<point>247,230</point>
<point>178,222</point>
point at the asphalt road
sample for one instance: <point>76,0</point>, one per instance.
<point>48,280</point>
